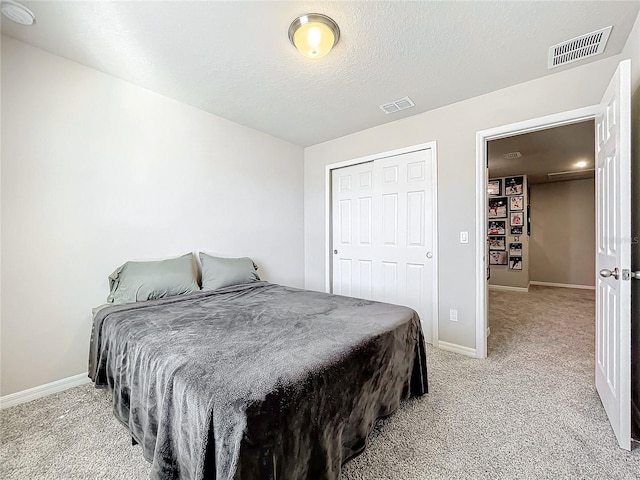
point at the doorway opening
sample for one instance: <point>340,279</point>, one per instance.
<point>482,214</point>
<point>541,225</point>
<point>613,237</point>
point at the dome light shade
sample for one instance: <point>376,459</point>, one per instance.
<point>314,34</point>
<point>17,12</point>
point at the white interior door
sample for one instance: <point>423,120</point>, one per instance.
<point>352,210</point>
<point>383,220</point>
<point>613,254</point>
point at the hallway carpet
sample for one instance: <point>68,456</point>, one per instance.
<point>530,410</point>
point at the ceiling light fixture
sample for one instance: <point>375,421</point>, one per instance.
<point>314,34</point>
<point>17,12</point>
<point>581,164</point>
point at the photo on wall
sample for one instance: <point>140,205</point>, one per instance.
<point>514,185</point>
<point>498,207</point>
<point>497,227</point>
<point>494,187</point>
<point>516,229</point>
<point>497,258</point>
<point>515,249</point>
<point>516,203</point>
<point>515,263</point>
<point>517,219</point>
<point>497,243</point>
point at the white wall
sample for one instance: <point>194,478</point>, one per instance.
<point>454,129</point>
<point>97,171</point>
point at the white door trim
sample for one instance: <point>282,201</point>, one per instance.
<point>328,224</point>
<point>482,137</point>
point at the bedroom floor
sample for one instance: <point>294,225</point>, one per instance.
<point>528,411</point>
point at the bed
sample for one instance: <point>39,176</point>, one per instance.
<point>255,381</point>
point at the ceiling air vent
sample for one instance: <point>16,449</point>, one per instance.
<point>578,48</point>
<point>397,105</point>
<point>507,156</point>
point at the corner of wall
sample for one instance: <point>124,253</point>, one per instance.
<point>632,50</point>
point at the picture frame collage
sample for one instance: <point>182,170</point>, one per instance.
<point>506,218</point>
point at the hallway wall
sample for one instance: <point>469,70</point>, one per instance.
<point>562,244</point>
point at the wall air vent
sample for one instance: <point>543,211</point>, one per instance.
<point>571,175</point>
<point>397,105</point>
<point>578,48</point>
<point>507,156</point>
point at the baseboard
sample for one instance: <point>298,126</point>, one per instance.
<point>452,347</point>
<point>508,288</point>
<point>24,396</point>
<point>562,285</point>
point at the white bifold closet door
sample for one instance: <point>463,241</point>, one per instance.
<point>383,220</point>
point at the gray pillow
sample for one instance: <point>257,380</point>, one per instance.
<point>139,281</point>
<point>220,272</point>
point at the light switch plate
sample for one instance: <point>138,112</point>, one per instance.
<point>464,237</point>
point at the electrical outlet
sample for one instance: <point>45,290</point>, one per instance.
<point>453,314</point>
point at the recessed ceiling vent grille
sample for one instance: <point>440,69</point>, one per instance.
<point>578,48</point>
<point>507,156</point>
<point>397,105</point>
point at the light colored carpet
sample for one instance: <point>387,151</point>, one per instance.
<point>529,411</point>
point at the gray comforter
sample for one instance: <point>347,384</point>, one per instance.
<point>255,381</point>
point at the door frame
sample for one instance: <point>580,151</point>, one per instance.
<point>482,137</point>
<point>328,275</point>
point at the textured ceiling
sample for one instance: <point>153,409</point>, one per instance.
<point>234,59</point>
<point>545,151</point>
